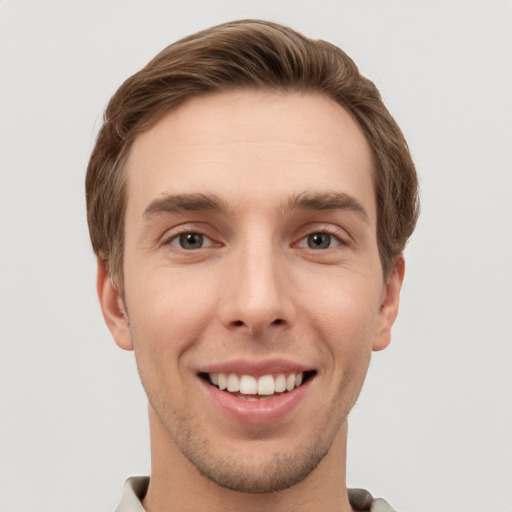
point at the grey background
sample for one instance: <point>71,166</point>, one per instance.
<point>433,428</point>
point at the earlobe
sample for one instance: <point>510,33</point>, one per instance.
<point>113,308</point>
<point>389,304</point>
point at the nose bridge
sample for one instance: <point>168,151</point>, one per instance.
<point>256,297</point>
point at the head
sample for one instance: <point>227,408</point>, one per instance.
<point>235,56</point>
<point>249,198</point>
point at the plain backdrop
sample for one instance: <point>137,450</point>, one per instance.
<point>432,430</point>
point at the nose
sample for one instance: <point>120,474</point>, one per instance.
<point>257,296</point>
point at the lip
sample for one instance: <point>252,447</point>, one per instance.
<point>256,368</point>
<point>258,412</point>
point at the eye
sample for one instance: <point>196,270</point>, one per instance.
<point>190,241</point>
<point>317,241</point>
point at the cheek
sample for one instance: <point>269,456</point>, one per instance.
<point>167,314</point>
<point>167,296</point>
<point>347,315</point>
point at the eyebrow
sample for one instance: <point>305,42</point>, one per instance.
<point>326,201</point>
<point>174,203</point>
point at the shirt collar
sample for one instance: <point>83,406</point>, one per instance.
<point>136,487</point>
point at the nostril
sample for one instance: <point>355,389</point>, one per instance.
<point>240,323</point>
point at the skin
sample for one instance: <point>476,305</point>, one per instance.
<point>255,290</point>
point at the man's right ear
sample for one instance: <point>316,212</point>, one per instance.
<point>113,308</point>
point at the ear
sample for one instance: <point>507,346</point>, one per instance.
<point>113,308</point>
<point>389,304</point>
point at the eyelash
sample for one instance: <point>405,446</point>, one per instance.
<point>178,237</point>
<point>334,233</point>
<point>176,240</point>
<point>173,238</point>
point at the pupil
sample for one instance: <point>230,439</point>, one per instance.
<point>191,241</point>
<point>319,241</point>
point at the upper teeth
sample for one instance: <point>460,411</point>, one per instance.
<point>249,385</point>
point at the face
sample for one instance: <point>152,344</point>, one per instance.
<point>254,293</point>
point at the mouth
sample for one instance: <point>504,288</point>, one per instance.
<point>257,388</point>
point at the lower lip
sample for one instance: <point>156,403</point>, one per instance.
<point>256,412</point>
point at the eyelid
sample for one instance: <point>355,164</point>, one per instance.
<point>341,236</point>
<point>334,241</point>
<point>207,241</point>
<point>189,227</point>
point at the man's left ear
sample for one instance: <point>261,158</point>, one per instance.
<point>389,304</point>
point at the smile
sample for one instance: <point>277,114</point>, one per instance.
<point>249,387</point>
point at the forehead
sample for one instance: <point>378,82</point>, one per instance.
<point>251,146</point>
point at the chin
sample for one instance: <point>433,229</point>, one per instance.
<point>280,471</point>
<point>255,465</point>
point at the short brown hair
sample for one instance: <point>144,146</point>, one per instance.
<point>241,55</point>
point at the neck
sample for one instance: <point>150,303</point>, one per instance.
<point>177,486</point>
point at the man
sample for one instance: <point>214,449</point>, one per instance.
<point>249,199</point>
